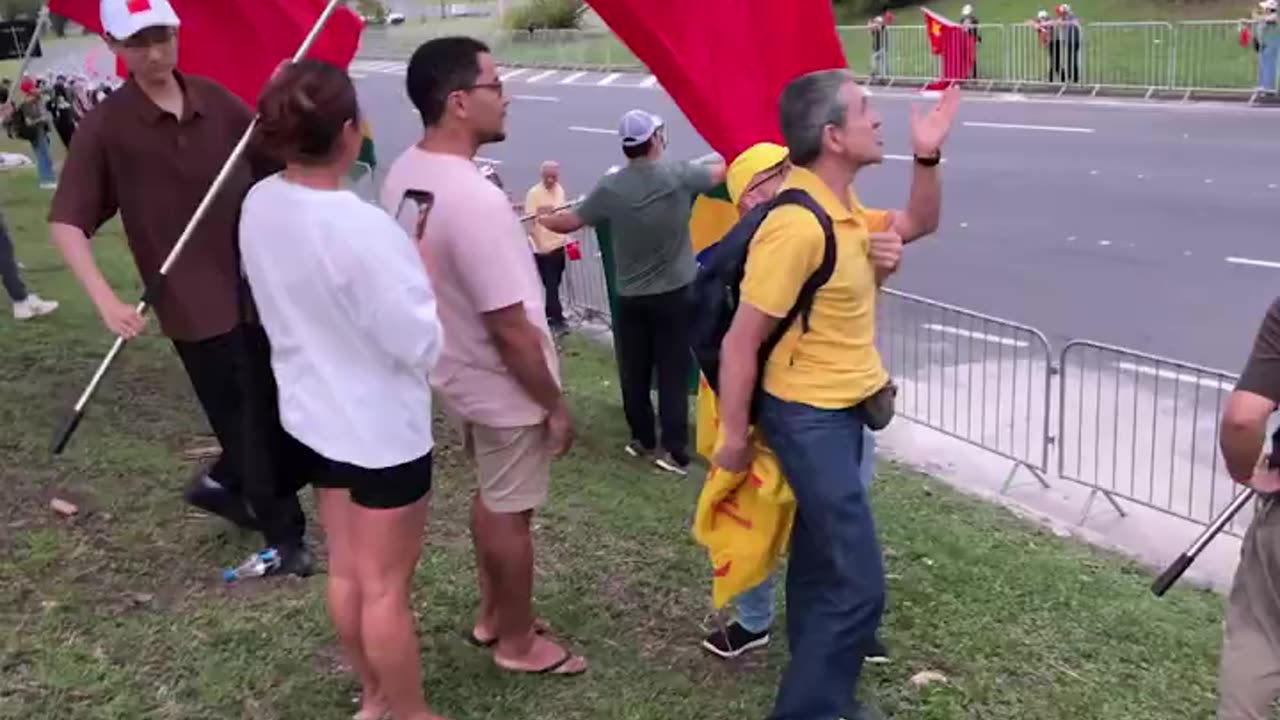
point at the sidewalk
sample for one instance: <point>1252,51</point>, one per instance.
<point>1152,538</point>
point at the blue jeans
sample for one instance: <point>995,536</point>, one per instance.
<point>1268,58</point>
<point>44,159</point>
<point>835,577</point>
<point>755,607</point>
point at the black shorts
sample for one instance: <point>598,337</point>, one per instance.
<point>382,489</point>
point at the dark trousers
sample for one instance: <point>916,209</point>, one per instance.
<point>551,269</point>
<point>652,334</point>
<point>232,378</point>
<point>9,276</point>
<point>835,575</point>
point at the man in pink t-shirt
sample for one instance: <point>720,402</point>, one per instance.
<point>498,374</point>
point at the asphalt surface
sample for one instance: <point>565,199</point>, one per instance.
<point>1105,221</point>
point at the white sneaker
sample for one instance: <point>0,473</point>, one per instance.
<point>49,186</point>
<point>33,307</point>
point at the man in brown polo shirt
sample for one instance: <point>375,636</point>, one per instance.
<point>150,152</point>
<point>1249,676</point>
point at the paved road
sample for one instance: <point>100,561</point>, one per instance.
<point>1107,221</point>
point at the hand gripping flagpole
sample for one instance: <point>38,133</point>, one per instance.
<point>153,288</point>
<point>1179,566</point>
<point>42,22</point>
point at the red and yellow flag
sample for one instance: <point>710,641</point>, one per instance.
<point>958,48</point>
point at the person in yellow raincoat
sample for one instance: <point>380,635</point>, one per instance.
<point>745,520</point>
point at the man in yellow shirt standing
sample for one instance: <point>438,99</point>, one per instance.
<point>548,246</point>
<point>815,385</point>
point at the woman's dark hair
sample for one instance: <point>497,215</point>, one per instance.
<point>302,111</point>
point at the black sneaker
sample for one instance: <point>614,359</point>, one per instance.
<point>636,450</point>
<point>878,654</point>
<point>296,560</point>
<point>206,494</point>
<point>734,641</point>
<point>672,464</point>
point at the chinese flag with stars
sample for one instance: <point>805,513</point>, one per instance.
<point>239,43</point>
<point>957,47</point>
<point>726,62</point>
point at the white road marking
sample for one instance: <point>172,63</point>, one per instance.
<point>1255,263</point>
<point>596,131</point>
<point>1104,243</point>
<point>709,157</point>
<point>572,78</point>
<point>1041,128</point>
<point>649,81</point>
<point>1272,186</point>
<point>1208,181</point>
<point>541,75</point>
<point>1093,172</point>
<point>948,330</point>
<point>357,75</point>
<point>1180,377</point>
<point>489,161</point>
<point>513,74</point>
<point>610,79</point>
<point>536,98</point>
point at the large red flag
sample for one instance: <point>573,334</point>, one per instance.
<point>726,62</point>
<point>954,43</point>
<point>239,43</point>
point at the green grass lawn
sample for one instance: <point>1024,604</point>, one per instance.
<point>118,613</point>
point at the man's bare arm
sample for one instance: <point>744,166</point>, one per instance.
<point>519,345</point>
<point>1244,429</point>
<point>563,222</point>
<point>78,253</point>
<point>924,205</point>
<point>739,356</point>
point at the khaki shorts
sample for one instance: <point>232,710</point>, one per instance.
<point>1249,677</point>
<point>513,466</point>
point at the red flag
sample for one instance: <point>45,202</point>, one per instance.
<point>726,62</point>
<point>1245,36</point>
<point>957,47</point>
<point>239,43</point>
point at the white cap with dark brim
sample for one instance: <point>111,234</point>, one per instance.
<point>637,127</point>
<point>122,19</point>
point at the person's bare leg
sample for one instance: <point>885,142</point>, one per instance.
<point>506,541</point>
<point>486,626</point>
<point>343,590</point>
<point>390,543</point>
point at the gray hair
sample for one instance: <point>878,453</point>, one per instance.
<point>809,104</point>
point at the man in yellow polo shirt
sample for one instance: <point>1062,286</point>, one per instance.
<point>548,247</point>
<point>817,379</point>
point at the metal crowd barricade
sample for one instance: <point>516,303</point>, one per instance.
<point>584,292</point>
<point>1123,55</point>
<point>977,378</point>
<point>1210,57</point>
<point>1144,429</point>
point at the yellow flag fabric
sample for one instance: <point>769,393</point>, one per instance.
<point>744,520</point>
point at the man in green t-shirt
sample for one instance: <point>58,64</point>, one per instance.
<point>647,205</point>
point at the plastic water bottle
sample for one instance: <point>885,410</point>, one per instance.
<point>257,565</point>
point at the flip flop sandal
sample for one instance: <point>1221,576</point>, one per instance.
<point>473,640</point>
<point>548,670</point>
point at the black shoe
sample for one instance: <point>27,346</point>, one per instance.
<point>878,654</point>
<point>672,464</point>
<point>206,494</point>
<point>734,641</point>
<point>295,560</point>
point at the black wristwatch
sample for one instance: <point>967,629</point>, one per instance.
<point>929,161</point>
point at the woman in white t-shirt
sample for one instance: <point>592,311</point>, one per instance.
<point>352,320</point>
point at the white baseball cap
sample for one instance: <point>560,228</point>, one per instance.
<point>123,19</point>
<point>637,127</point>
<point>966,10</point>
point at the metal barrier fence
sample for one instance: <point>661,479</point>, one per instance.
<point>977,378</point>
<point>1141,57</point>
<point>1145,429</point>
<point>1128,425</point>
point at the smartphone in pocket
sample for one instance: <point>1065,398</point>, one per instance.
<point>413,211</point>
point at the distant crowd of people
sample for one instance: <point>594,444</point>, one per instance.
<point>1060,33</point>
<point>41,107</point>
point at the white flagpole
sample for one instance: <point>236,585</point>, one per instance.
<point>148,297</point>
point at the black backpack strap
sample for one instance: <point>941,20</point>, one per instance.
<point>804,301</point>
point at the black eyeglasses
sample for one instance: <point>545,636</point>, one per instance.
<point>495,86</point>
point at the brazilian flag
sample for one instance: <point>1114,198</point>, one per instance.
<point>713,216</point>
<point>367,161</point>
